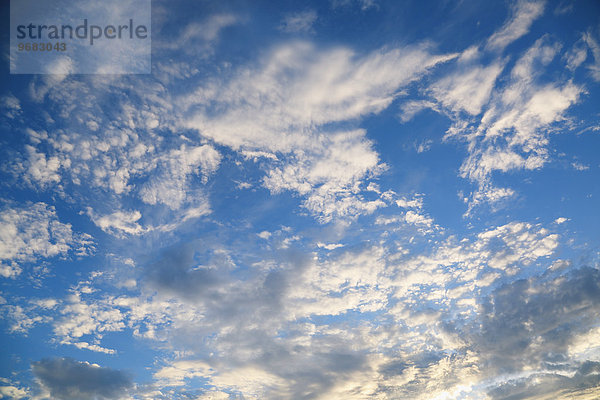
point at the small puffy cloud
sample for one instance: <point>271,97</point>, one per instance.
<point>33,232</point>
<point>264,235</point>
<point>41,169</point>
<point>579,166</point>
<point>68,379</point>
<point>81,317</point>
<point>416,202</point>
<point>13,393</point>
<point>119,222</point>
<point>415,218</point>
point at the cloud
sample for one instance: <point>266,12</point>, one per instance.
<point>288,102</point>
<point>119,222</point>
<point>129,155</point>
<point>299,22</point>
<point>594,47</point>
<point>40,169</point>
<point>577,55</point>
<point>514,116</point>
<point>10,106</point>
<point>579,166</point>
<point>530,326</point>
<point>198,36</point>
<point>411,108</point>
<point>168,184</point>
<point>13,392</point>
<point>68,379</point>
<point>364,4</point>
<point>32,232</point>
<point>519,115</point>
<point>177,274</point>
<point>459,92</point>
<point>523,14</point>
<point>581,384</point>
<point>512,134</point>
<point>358,321</point>
<point>176,373</point>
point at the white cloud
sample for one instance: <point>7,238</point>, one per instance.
<point>330,246</point>
<point>119,222</point>
<point>416,202</point>
<point>586,346</point>
<point>13,392</point>
<point>253,380</point>
<point>123,223</point>
<point>40,169</point>
<point>595,49</point>
<point>352,281</point>
<point>505,249</point>
<point>415,218</point>
<point>513,132</point>
<point>33,232</point>
<point>412,107</point>
<point>87,318</point>
<point>168,186</point>
<point>214,395</point>
<point>277,120</point>
<point>10,271</point>
<point>264,114</point>
<point>264,235</point>
<point>577,55</point>
<point>579,166</point>
<point>523,14</point>
<point>10,106</point>
<point>468,89</point>
<point>176,373</point>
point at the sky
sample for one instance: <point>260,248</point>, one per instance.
<point>344,199</point>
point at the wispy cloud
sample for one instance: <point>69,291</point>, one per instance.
<point>326,167</point>
<point>523,14</point>
<point>299,22</point>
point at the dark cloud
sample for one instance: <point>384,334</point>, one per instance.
<point>177,273</point>
<point>68,379</point>
<point>549,385</point>
<point>530,323</point>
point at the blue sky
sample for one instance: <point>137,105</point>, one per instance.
<point>346,199</point>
